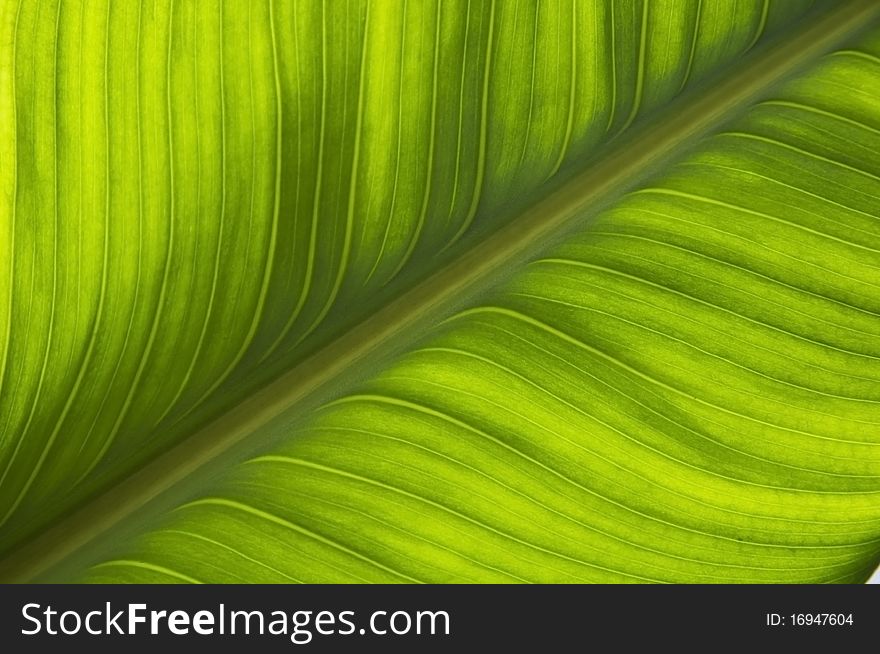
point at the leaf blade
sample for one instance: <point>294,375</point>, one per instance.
<point>244,152</point>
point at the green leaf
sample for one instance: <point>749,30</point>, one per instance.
<point>523,322</point>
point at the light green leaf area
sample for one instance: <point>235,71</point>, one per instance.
<point>453,291</point>
<point>197,195</point>
<point>190,190</point>
<point>686,390</point>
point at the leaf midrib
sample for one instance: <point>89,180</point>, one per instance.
<point>623,165</point>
